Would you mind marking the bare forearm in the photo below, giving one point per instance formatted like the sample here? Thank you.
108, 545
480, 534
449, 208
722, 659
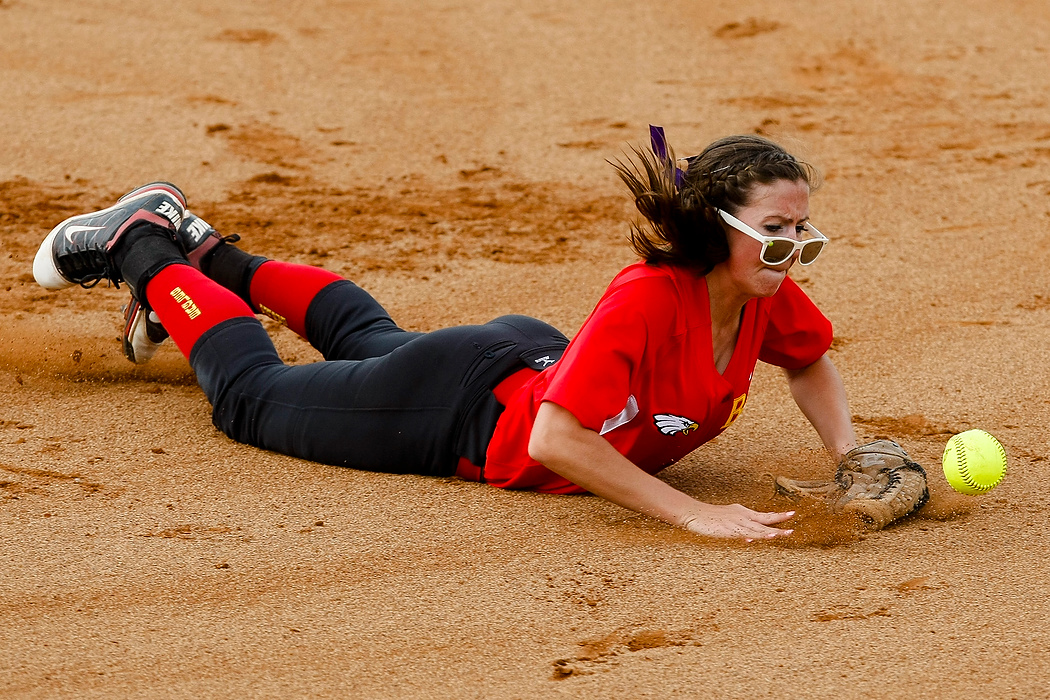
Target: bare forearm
819, 392
589, 461
585, 458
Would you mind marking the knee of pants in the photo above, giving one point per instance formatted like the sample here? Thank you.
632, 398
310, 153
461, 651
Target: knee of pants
227, 351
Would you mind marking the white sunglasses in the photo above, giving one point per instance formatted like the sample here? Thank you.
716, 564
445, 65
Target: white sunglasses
776, 249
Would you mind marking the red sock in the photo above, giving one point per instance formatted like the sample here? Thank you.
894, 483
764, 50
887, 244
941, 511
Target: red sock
188, 304
283, 291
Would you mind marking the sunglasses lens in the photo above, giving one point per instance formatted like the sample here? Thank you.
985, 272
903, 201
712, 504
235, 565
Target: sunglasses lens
776, 252
810, 251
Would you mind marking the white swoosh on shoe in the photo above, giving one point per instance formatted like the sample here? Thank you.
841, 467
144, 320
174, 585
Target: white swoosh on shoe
68, 233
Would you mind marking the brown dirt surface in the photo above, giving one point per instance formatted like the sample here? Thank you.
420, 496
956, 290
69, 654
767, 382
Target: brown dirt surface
451, 158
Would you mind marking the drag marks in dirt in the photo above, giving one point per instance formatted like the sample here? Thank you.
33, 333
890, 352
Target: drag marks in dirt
19, 482
1040, 185
612, 650
845, 612
602, 134
415, 228
211, 99
1037, 302
193, 531
747, 28
873, 602
587, 145
264, 143
247, 36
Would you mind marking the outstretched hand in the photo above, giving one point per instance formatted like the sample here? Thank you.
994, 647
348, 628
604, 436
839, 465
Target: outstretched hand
736, 521
560, 443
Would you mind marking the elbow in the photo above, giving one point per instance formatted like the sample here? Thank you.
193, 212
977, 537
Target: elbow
547, 439
816, 365
540, 444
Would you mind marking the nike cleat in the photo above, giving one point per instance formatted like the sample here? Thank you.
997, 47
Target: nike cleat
80, 249
143, 333
197, 238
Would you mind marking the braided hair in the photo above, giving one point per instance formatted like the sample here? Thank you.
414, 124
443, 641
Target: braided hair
681, 224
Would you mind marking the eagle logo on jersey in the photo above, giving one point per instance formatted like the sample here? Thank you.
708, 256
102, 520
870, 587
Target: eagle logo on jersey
670, 424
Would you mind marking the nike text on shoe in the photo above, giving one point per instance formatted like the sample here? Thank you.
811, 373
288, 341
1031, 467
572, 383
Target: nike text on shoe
79, 250
197, 238
143, 333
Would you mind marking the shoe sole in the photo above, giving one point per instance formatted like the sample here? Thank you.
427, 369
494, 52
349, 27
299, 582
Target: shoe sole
136, 334
45, 271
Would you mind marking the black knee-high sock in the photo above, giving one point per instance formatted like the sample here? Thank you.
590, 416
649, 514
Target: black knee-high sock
233, 268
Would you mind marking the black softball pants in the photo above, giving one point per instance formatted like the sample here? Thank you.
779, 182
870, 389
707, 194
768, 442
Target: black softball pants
384, 399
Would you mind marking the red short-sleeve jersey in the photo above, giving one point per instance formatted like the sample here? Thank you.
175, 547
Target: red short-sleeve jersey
641, 372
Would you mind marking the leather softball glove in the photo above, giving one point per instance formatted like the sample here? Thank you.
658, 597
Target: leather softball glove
876, 481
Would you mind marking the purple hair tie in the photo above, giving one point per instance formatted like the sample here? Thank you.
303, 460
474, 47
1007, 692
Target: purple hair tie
659, 142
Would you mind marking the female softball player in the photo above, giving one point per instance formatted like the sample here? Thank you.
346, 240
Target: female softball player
662, 365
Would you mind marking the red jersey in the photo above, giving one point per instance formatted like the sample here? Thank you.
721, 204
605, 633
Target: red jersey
641, 373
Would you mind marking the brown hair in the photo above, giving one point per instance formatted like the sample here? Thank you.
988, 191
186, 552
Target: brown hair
681, 224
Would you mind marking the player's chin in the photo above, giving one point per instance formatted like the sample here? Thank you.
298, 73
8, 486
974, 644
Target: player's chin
769, 279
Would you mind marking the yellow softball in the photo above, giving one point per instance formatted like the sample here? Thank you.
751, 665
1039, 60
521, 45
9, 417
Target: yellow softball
974, 462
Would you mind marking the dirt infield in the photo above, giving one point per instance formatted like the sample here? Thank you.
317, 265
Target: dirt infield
451, 158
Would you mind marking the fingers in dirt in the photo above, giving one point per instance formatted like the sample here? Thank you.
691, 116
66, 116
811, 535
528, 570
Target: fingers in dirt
772, 518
